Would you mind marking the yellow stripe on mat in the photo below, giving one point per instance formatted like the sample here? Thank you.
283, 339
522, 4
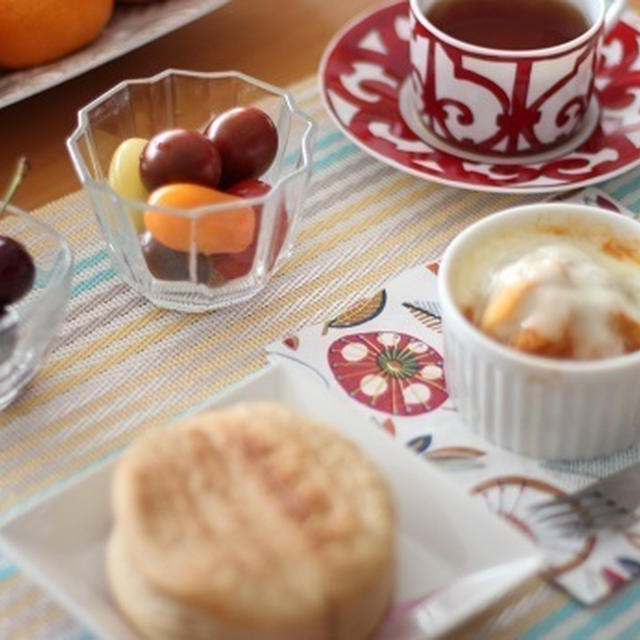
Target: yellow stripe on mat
322, 283
128, 330
44, 619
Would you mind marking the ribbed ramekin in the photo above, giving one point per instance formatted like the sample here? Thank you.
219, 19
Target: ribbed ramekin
537, 406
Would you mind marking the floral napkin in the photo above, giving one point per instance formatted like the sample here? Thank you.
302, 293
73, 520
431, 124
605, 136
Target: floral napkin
385, 354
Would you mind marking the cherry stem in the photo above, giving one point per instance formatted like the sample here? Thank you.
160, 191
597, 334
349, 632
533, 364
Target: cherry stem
22, 166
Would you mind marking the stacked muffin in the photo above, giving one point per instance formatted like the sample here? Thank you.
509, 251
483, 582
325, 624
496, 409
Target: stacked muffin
251, 522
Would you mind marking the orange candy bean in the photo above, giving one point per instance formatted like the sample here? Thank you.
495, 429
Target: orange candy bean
229, 231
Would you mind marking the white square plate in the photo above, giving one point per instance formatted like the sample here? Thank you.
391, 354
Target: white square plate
449, 547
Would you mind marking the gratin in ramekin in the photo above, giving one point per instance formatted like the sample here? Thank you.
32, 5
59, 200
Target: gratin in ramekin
533, 405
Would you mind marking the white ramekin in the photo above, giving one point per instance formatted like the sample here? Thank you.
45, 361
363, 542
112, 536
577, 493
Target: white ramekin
537, 406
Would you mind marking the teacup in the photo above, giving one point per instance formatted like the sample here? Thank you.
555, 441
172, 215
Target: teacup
499, 102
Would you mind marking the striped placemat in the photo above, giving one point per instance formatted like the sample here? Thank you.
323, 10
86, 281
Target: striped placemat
121, 365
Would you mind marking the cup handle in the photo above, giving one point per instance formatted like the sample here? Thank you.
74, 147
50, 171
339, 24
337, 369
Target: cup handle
612, 13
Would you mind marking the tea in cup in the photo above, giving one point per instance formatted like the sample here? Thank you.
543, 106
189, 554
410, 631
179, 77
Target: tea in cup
505, 78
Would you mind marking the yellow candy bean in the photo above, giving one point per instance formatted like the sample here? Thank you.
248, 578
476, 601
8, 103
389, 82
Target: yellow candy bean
124, 175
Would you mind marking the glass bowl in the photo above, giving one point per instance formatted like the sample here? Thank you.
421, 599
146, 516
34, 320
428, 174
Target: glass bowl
28, 327
188, 280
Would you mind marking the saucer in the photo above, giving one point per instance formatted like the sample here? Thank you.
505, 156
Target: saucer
362, 74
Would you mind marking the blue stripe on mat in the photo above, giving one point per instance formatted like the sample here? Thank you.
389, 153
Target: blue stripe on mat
601, 618
542, 629
626, 188
634, 206
329, 138
86, 285
336, 156
90, 261
7, 571
608, 613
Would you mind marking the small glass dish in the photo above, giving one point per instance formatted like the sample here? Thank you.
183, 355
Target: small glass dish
142, 108
28, 327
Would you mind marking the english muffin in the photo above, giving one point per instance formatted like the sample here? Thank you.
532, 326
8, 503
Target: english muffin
249, 523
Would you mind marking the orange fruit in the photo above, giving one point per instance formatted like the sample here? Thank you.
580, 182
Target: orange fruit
33, 32
227, 231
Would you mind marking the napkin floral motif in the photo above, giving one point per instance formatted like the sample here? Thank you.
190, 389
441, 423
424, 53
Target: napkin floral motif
389, 371
384, 354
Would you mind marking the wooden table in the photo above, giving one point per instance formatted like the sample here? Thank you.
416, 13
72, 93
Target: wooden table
280, 41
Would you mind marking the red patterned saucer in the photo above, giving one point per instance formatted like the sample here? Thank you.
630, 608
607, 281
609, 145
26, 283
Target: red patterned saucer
361, 78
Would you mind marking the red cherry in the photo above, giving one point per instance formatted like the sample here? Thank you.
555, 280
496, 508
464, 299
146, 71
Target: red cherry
249, 188
179, 155
166, 264
236, 265
247, 141
17, 271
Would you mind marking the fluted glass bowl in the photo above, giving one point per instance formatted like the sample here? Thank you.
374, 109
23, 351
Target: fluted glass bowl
28, 328
142, 108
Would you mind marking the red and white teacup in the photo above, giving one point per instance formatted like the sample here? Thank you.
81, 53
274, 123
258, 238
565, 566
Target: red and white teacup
503, 103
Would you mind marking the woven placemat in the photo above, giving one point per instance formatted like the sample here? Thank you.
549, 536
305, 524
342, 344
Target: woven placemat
121, 365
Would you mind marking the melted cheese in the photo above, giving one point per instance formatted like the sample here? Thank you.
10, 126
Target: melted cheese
569, 294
